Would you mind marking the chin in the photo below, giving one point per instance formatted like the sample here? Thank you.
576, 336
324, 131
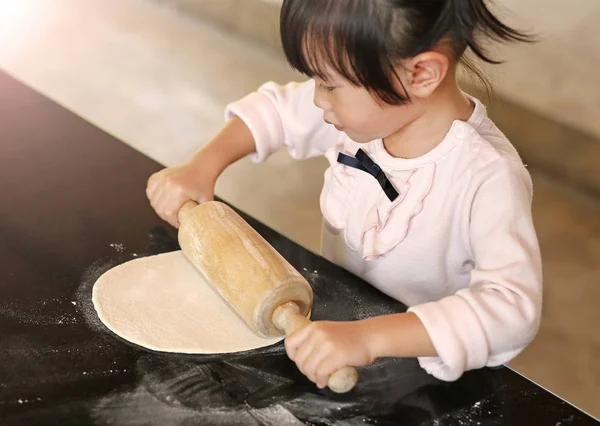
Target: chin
359, 138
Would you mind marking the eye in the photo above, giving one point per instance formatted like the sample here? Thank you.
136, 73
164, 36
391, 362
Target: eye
327, 88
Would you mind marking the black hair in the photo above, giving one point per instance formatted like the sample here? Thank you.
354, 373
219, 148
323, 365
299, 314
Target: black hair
363, 40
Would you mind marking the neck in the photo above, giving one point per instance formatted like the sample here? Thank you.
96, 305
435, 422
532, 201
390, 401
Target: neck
431, 123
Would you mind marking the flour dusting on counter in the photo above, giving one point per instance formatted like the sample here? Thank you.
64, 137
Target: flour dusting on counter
119, 248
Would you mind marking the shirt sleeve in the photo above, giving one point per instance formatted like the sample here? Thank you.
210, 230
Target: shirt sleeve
279, 116
498, 315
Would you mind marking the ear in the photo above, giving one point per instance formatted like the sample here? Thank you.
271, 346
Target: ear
426, 72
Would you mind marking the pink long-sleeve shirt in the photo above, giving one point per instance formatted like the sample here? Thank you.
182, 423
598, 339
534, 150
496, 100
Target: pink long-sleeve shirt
457, 246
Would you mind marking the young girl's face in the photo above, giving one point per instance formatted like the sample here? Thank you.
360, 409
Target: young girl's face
356, 112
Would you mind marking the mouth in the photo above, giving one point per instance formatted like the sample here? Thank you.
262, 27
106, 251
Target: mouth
340, 128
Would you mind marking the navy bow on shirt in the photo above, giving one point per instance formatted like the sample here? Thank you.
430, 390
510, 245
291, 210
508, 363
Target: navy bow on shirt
363, 162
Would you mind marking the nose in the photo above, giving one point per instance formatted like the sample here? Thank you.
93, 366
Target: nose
320, 100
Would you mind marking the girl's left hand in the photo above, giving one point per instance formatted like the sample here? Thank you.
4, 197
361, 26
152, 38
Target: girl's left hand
323, 347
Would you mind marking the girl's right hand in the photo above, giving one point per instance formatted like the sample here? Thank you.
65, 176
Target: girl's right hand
195, 180
170, 188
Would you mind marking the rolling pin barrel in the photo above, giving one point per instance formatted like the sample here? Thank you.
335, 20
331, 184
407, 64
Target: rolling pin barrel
241, 265
251, 276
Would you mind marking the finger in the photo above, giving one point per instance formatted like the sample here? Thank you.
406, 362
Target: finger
171, 212
159, 195
173, 222
151, 185
303, 357
297, 338
156, 200
302, 352
153, 202
294, 340
175, 198
326, 368
306, 362
164, 203
313, 364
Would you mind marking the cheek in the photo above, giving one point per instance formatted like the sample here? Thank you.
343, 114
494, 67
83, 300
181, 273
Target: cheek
360, 113
364, 120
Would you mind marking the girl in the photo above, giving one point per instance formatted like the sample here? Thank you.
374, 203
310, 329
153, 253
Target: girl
424, 197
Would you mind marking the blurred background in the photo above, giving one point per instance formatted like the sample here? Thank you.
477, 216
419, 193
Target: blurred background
157, 74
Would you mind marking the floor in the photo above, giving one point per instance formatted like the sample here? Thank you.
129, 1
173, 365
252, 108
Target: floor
159, 82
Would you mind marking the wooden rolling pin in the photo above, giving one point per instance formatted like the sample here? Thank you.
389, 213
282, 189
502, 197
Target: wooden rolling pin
258, 283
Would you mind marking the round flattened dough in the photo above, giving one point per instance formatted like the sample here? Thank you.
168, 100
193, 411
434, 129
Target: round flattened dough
163, 303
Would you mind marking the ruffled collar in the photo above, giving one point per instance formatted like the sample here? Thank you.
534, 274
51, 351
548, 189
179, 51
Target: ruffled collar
371, 220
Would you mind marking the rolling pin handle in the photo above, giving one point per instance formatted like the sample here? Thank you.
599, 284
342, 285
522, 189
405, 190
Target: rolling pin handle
185, 211
287, 318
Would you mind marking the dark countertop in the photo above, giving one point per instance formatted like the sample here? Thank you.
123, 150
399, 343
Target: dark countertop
73, 207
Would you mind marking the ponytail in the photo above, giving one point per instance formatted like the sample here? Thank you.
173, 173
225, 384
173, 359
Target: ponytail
471, 18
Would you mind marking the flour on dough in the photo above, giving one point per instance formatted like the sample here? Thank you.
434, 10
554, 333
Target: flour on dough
163, 303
